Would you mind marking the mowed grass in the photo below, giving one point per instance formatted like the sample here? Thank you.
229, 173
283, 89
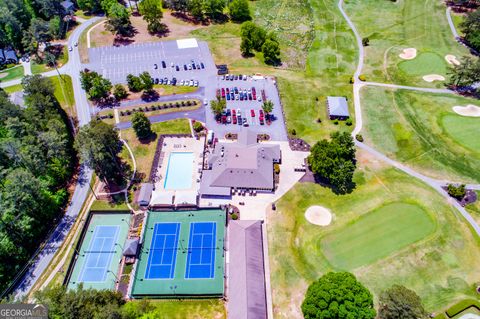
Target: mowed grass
329, 59
12, 73
425, 63
176, 309
422, 131
393, 26
464, 130
144, 151
65, 97
440, 264
376, 235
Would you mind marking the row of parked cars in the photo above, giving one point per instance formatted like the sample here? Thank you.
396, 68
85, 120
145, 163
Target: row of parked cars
232, 77
192, 65
234, 93
232, 116
174, 81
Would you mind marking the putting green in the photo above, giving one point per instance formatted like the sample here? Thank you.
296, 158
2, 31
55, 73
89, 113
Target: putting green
376, 235
424, 64
464, 130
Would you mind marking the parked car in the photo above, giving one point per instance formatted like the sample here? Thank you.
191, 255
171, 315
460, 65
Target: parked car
228, 97
261, 113
224, 119
227, 90
223, 93
228, 112
245, 122
250, 96
156, 81
198, 66
155, 66
229, 119
185, 67
232, 96
172, 64
191, 83
202, 65
262, 122
164, 65
236, 77
189, 66
182, 82
239, 112
160, 81
234, 113
196, 83
244, 77
239, 119
177, 68
234, 119
193, 66
205, 102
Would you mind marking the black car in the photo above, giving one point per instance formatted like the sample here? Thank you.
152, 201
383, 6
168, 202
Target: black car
185, 67
177, 68
193, 66
174, 81
164, 65
236, 77
165, 80
202, 65
155, 66
156, 81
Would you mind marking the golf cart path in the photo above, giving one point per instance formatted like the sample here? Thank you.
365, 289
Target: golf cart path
435, 184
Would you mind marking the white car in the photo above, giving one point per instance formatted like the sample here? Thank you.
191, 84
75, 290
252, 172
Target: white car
70, 48
76, 44
191, 82
239, 112
195, 83
182, 82
205, 102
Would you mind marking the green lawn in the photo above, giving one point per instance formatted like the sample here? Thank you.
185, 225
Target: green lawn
436, 267
170, 89
65, 97
38, 68
176, 309
310, 73
12, 73
393, 26
425, 63
376, 235
144, 151
421, 130
117, 202
13, 88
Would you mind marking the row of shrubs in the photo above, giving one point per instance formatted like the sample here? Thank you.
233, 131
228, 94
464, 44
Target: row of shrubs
458, 308
163, 106
348, 122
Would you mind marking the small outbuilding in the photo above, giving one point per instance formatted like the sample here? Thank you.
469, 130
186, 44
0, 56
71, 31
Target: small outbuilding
8, 56
68, 6
337, 108
145, 194
131, 247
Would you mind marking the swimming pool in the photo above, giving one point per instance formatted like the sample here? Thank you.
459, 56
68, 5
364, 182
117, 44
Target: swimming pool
179, 171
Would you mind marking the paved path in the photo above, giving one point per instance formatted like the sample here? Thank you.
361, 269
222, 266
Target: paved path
55, 241
451, 24
358, 126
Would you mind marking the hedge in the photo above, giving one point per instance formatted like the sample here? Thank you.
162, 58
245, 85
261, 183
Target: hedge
461, 306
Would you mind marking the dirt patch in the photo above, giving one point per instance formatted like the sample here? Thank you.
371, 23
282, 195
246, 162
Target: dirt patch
433, 77
451, 59
408, 54
318, 215
469, 110
176, 28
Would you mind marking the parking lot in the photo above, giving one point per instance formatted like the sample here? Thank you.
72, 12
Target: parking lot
186, 59
242, 108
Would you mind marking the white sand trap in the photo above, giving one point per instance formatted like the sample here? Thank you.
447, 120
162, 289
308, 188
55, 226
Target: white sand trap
408, 54
469, 110
318, 215
433, 77
2, 75
451, 59
470, 316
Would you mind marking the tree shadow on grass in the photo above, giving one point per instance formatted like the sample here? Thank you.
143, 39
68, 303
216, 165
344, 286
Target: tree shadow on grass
149, 139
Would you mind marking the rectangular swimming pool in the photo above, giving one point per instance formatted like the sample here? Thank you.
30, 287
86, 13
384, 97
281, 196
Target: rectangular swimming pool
179, 171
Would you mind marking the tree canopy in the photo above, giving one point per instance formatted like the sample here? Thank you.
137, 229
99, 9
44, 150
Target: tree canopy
338, 295
97, 87
471, 28
334, 161
218, 105
399, 302
239, 10
141, 125
151, 10
98, 146
118, 19
36, 162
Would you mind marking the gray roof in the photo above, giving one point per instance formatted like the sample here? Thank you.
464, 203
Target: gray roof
18, 98
337, 106
67, 5
131, 247
9, 55
246, 280
145, 194
244, 164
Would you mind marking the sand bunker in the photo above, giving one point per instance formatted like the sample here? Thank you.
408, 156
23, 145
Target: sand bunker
408, 54
470, 316
469, 110
433, 77
451, 59
318, 215
2, 75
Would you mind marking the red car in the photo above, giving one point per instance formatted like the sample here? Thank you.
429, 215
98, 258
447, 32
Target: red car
261, 113
234, 119
252, 112
262, 121
224, 119
223, 93
234, 113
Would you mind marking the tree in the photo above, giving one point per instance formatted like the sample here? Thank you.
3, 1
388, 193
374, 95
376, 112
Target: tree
267, 106
246, 46
248, 32
141, 125
97, 87
119, 92
195, 8
457, 192
89, 5
218, 106
466, 74
271, 52
80, 303
38, 33
152, 13
214, 8
118, 20
334, 161
197, 127
147, 81
134, 83
399, 302
338, 295
239, 10
98, 146
471, 28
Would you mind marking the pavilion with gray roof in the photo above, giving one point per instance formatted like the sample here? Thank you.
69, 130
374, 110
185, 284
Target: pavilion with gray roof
246, 292
337, 108
245, 164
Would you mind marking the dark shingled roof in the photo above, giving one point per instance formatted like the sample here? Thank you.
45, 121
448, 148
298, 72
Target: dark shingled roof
246, 278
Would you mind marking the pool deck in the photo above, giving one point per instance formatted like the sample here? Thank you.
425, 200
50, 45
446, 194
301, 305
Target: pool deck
179, 145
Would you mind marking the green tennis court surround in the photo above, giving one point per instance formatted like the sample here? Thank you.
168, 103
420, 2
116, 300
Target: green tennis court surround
182, 255
97, 261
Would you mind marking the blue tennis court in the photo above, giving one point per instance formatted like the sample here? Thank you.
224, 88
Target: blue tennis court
163, 251
201, 250
99, 254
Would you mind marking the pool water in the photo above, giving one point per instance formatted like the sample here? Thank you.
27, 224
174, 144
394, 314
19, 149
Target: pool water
179, 171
